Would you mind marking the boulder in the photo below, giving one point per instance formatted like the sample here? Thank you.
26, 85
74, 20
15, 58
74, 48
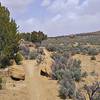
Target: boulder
17, 72
45, 66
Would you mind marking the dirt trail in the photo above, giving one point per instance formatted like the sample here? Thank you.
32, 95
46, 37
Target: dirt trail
39, 88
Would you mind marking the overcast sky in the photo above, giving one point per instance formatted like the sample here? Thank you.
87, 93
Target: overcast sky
55, 17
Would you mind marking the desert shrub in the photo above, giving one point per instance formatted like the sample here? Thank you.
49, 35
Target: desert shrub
58, 48
57, 72
61, 58
92, 51
51, 48
79, 95
66, 70
67, 88
63, 63
93, 91
18, 58
59, 66
93, 58
33, 55
84, 50
56, 56
75, 69
76, 74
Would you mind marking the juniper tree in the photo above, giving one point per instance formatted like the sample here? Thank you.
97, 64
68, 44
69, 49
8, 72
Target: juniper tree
9, 37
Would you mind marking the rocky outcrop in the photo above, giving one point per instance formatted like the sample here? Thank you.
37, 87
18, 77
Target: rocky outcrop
45, 66
17, 72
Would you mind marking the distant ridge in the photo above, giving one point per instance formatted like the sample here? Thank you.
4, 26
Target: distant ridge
88, 34
79, 34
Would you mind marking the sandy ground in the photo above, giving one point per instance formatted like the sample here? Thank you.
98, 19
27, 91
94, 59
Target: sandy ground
39, 88
14, 91
89, 66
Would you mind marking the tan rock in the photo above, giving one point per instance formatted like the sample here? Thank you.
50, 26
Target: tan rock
17, 72
46, 65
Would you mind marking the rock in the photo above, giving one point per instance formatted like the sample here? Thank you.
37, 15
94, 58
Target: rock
43, 73
45, 66
17, 72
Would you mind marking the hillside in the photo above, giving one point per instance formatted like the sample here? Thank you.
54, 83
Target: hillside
40, 87
82, 38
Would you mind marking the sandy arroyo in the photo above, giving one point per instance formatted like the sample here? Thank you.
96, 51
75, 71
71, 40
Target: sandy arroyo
35, 86
39, 87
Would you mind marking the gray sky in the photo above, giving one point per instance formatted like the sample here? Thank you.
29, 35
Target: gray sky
55, 17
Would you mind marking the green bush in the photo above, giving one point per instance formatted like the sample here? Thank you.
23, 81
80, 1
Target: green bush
18, 58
